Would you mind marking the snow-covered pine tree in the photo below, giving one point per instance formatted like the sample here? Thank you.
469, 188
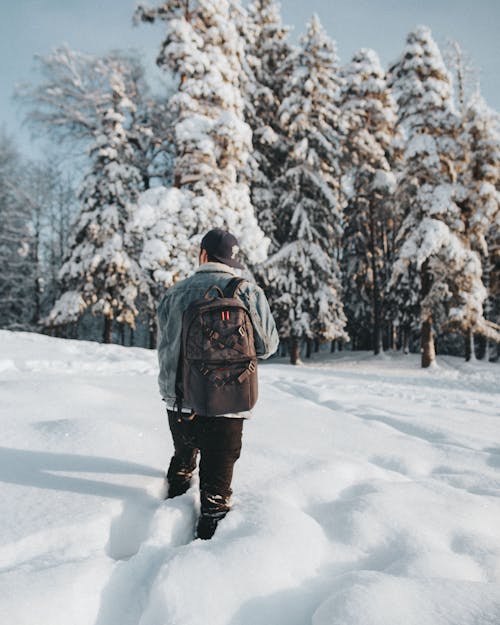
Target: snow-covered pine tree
431, 236
480, 206
101, 272
18, 273
150, 134
149, 124
303, 275
267, 48
204, 50
162, 222
71, 101
370, 151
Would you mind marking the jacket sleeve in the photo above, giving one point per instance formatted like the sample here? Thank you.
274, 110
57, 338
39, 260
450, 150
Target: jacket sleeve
163, 344
265, 333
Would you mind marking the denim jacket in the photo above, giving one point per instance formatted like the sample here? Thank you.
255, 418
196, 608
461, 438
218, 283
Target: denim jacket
177, 299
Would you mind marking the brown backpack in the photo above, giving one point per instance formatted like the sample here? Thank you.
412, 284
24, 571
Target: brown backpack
218, 365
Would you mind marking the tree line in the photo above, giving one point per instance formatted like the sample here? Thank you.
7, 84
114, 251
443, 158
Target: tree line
365, 199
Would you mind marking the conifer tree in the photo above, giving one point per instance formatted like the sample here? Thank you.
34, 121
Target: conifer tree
480, 206
431, 238
204, 50
18, 274
267, 48
101, 272
370, 150
76, 102
161, 224
304, 275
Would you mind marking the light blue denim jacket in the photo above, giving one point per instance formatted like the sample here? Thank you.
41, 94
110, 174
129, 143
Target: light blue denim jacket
177, 299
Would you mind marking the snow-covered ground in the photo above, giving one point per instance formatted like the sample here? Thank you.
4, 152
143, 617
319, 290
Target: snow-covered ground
367, 494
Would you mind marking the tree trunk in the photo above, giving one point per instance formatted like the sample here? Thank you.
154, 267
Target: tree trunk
152, 333
394, 337
405, 342
35, 257
377, 330
294, 351
332, 346
308, 348
132, 337
428, 350
122, 334
341, 345
107, 335
487, 350
470, 353
316, 345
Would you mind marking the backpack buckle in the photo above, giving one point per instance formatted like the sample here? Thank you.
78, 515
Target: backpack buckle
252, 367
241, 330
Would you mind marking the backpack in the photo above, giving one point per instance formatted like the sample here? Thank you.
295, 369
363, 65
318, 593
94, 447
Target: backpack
217, 371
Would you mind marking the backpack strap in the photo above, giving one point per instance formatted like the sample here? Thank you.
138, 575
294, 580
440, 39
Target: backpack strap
232, 286
179, 392
215, 288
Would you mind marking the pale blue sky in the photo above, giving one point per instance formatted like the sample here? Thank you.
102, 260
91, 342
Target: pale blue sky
30, 27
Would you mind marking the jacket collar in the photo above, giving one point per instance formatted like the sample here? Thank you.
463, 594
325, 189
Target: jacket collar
217, 267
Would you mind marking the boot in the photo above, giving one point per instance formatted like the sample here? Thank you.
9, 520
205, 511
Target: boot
177, 488
179, 475
213, 509
206, 526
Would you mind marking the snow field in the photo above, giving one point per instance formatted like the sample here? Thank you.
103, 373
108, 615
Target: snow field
366, 494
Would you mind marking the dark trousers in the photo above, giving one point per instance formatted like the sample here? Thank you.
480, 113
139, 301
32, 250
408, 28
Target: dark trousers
218, 439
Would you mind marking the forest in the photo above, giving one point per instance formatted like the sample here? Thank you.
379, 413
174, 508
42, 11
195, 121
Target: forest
365, 198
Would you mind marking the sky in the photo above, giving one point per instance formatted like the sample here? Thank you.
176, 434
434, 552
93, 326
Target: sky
30, 27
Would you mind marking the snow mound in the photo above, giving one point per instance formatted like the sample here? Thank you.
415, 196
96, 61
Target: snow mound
370, 598
367, 493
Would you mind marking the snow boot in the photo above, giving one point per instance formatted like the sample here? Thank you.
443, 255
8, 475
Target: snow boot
213, 509
178, 483
175, 488
180, 472
207, 524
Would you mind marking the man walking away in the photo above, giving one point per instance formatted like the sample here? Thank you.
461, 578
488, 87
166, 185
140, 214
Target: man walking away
216, 436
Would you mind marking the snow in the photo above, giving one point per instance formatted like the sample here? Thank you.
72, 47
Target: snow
213, 142
367, 493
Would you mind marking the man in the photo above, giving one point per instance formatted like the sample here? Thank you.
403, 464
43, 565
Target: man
217, 438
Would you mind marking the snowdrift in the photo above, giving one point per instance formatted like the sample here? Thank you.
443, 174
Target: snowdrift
367, 494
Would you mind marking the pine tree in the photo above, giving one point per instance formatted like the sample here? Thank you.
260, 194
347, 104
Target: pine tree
204, 50
370, 151
162, 224
448, 273
267, 49
303, 275
71, 103
18, 275
480, 212
101, 272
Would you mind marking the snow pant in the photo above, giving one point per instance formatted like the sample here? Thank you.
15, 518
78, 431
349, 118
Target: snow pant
218, 439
